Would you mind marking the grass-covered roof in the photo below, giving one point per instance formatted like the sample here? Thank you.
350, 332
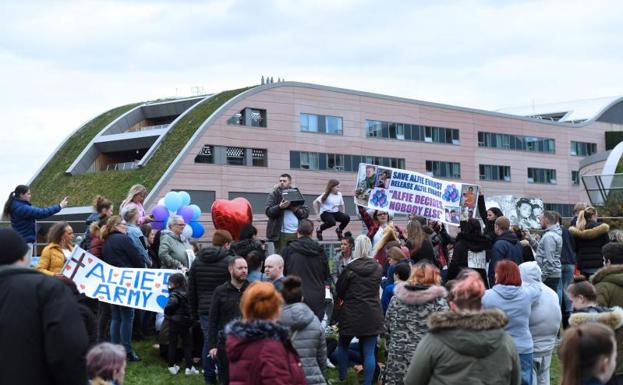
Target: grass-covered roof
52, 183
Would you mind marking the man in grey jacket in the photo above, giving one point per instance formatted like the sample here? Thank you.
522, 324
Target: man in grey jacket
548, 250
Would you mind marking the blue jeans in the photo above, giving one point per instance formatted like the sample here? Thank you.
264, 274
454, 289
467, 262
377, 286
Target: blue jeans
121, 326
526, 368
368, 344
566, 278
209, 372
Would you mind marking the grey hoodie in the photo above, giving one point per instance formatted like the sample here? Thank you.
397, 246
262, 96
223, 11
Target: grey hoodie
548, 252
308, 340
545, 316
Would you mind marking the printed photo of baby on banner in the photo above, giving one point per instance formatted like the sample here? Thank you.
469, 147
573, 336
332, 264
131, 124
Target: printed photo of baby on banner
409, 192
523, 212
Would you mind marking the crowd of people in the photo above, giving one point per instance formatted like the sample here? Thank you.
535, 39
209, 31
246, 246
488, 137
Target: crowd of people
401, 306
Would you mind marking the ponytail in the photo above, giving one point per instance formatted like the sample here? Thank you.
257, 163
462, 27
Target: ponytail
584, 216
110, 225
19, 190
581, 350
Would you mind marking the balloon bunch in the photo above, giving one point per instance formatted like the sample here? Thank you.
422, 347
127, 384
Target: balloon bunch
451, 194
178, 202
379, 198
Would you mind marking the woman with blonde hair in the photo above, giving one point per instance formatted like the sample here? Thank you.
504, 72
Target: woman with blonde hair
420, 247
358, 299
58, 250
589, 236
259, 350
379, 252
134, 199
405, 321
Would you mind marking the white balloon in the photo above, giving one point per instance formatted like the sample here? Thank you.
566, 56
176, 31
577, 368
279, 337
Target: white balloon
188, 231
161, 202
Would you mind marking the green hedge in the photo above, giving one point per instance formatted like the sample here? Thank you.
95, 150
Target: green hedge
52, 184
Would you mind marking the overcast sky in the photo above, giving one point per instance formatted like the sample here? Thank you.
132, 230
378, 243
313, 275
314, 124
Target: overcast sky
62, 63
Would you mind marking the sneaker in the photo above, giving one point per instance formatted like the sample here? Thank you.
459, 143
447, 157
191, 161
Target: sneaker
174, 369
191, 371
133, 357
330, 364
318, 234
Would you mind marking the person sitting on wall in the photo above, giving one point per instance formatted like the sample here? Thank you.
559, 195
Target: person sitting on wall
330, 207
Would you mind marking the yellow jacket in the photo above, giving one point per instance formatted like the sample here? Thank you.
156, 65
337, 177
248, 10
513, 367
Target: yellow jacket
52, 259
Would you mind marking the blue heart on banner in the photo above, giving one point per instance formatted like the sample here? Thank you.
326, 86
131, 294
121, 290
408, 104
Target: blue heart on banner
162, 300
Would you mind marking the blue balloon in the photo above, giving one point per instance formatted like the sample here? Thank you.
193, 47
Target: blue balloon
196, 212
173, 201
185, 197
198, 229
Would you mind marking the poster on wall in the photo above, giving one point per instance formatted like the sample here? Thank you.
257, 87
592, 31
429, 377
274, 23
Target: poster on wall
145, 289
523, 212
409, 192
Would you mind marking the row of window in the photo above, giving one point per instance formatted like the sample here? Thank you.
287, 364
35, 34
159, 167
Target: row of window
412, 132
234, 156
333, 125
491, 172
338, 162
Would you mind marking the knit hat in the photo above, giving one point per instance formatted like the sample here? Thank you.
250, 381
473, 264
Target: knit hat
12, 246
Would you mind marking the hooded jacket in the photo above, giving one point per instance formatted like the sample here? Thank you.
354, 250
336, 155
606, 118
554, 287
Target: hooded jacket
548, 252
516, 302
260, 353
44, 340
172, 251
275, 214
465, 348
306, 258
208, 271
609, 284
506, 246
612, 318
405, 325
463, 245
308, 339
360, 313
545, 316
588, 243
23, 216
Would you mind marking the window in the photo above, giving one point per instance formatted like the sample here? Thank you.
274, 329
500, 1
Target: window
411, 132
309, 160
575, 177
258, 157
516, 142
443, 169
253, 117
495, 173
321, 123
235, 156
564, 209
206, 155
339, 162
582, 148
541, 175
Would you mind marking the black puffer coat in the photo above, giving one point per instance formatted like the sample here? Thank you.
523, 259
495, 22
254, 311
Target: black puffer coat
464, 244
360, 313
208, 271
588, 244
44, 340
178, 309
305, 257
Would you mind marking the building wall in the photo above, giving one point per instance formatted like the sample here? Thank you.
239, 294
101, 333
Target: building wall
282, 134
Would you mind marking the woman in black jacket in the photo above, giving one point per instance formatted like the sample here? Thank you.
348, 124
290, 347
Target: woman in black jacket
360, 313
118, 250
589, 236
471, 250
488, 217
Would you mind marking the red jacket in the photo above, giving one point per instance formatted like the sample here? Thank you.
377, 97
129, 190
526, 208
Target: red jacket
260, 353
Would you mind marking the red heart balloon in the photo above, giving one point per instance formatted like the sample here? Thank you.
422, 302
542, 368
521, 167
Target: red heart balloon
231, 215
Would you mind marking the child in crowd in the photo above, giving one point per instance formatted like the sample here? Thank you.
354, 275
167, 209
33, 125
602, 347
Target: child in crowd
178, 314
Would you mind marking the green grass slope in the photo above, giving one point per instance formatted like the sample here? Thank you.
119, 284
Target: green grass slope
52, 184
